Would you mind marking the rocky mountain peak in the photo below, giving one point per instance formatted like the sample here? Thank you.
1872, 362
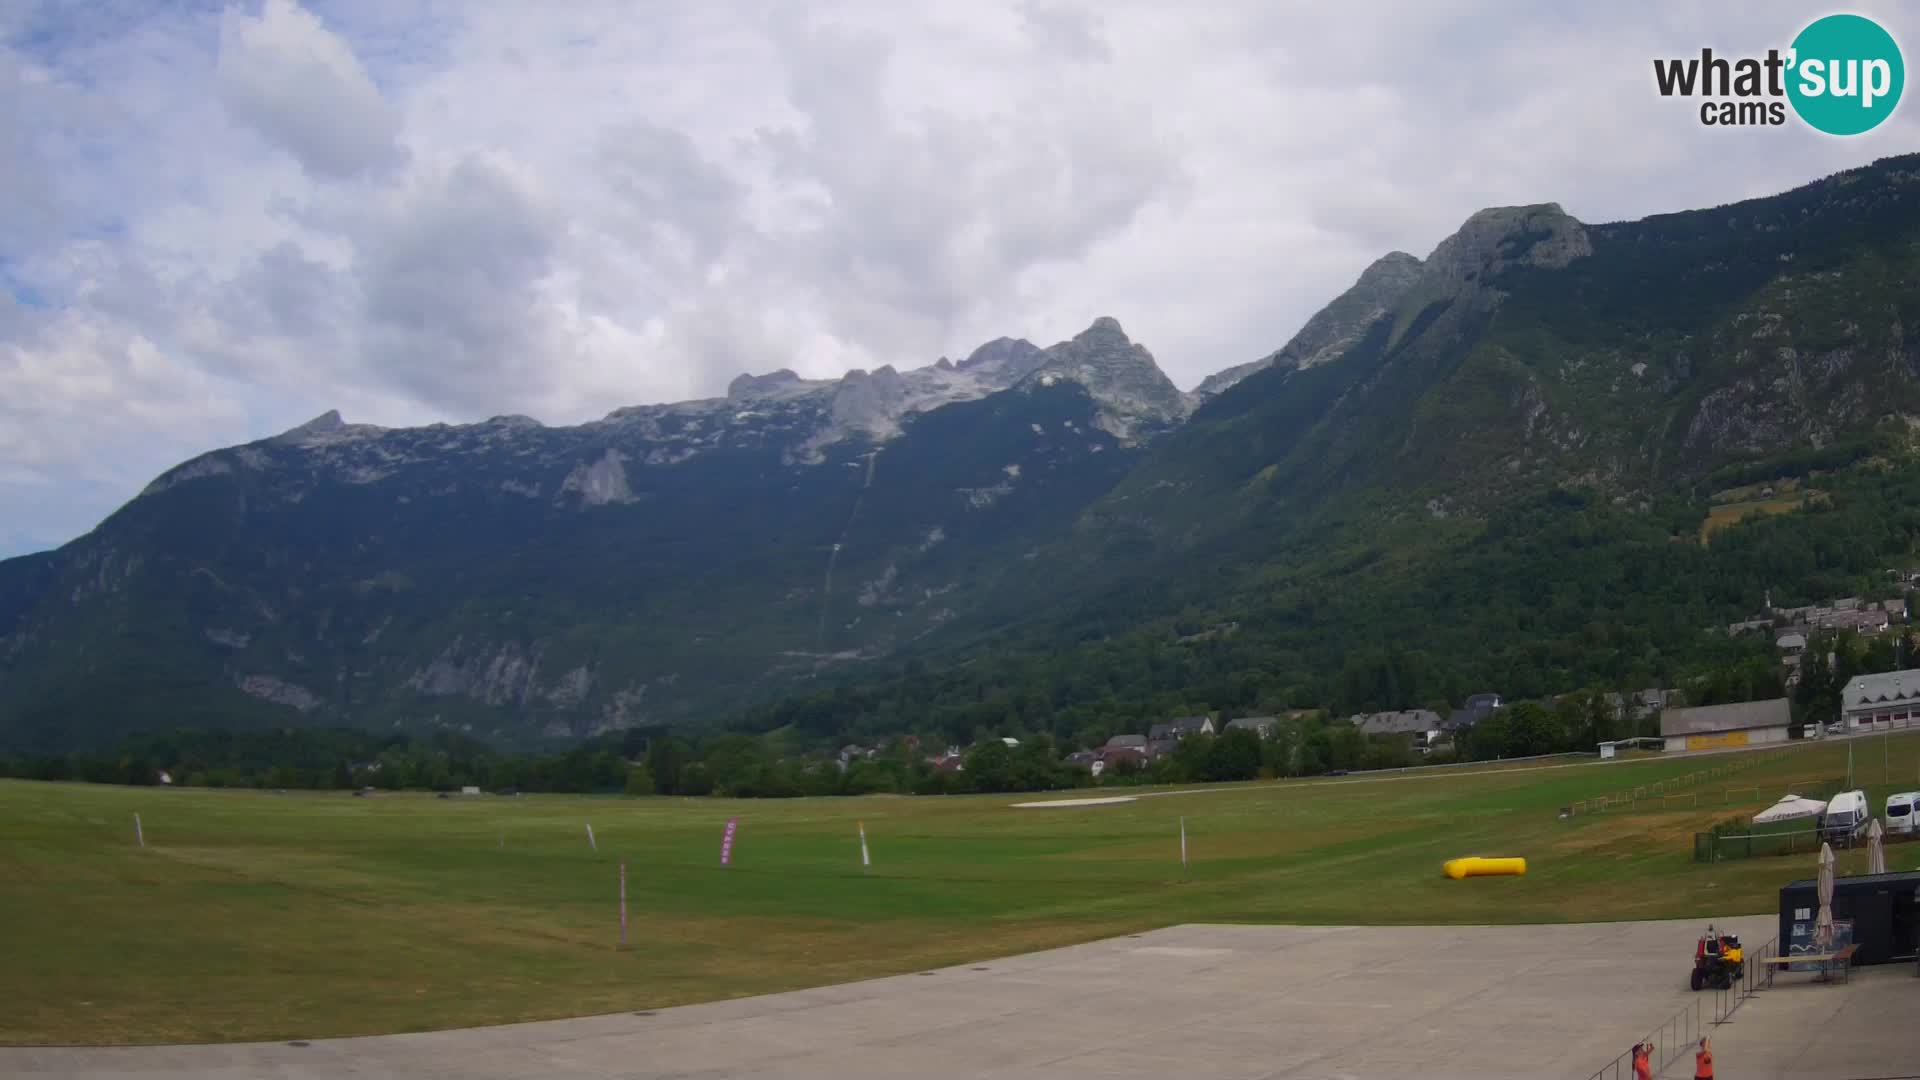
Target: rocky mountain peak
515, 420
1012, 355
1393, 268
327, 429
1334, 328
1462, 268
1541, 235
319, 425
1134, 395
747, 385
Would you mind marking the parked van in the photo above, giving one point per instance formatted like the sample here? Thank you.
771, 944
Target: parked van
1846, 817
1903, 812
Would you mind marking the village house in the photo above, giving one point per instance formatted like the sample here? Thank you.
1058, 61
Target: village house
1867, 622
1890, 699
1847, 613
1181, 728
1121, 748
1421, 728
1477, 708
1111, 756
853, 752
1261, 726
1640, 705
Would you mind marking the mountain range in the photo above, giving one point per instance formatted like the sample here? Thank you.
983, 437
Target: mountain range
682, 563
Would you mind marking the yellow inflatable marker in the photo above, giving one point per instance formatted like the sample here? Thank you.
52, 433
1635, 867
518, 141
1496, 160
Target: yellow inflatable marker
1478, 867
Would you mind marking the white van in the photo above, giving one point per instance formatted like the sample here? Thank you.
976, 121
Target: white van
1846, 817
1903, 812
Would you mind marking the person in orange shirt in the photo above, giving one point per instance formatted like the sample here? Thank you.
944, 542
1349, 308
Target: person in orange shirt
1703, 1061
1642, 1061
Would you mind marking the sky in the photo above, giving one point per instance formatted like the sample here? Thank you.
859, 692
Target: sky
219, 220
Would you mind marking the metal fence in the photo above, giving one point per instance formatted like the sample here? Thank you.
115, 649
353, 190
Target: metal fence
1570, 757
1754, 978
1668, 793
1715, 847
1669, 1040
1676, 1037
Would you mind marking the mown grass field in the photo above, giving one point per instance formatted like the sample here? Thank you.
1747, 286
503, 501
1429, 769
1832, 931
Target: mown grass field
1727, 515
253, 915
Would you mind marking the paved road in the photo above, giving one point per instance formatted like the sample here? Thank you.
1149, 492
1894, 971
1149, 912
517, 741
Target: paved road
1804, 1030
1190, 1001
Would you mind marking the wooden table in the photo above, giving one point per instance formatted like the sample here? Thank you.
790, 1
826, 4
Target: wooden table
1827, 961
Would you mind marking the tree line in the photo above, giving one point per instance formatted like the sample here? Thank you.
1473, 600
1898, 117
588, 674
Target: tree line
779, 765
1557, 592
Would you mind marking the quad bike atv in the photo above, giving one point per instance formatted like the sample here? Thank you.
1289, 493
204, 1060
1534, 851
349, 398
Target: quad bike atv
1716, 960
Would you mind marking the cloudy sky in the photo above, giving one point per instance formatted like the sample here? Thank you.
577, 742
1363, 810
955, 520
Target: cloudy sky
218, 220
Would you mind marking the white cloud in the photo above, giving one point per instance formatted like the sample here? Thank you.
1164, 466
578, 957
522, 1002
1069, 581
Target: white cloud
1066, 31
216, 223
300, 86
87, 409
451, 275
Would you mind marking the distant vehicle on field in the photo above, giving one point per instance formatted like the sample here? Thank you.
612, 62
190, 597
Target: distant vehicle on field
1903, 813
1846, 817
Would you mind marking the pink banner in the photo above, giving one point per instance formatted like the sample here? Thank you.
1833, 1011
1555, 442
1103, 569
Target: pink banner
726, 841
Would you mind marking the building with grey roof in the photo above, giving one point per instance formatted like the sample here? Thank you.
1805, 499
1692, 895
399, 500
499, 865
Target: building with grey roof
1743, 723
1881, 702
1420, 727
1260, 725
1181, 728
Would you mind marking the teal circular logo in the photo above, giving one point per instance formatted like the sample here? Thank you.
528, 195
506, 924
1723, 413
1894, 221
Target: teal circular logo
1846, 74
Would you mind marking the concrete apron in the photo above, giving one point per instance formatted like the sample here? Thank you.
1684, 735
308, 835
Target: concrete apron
1197, 1001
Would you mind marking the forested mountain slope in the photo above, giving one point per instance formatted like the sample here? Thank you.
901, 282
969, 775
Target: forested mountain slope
1488, 466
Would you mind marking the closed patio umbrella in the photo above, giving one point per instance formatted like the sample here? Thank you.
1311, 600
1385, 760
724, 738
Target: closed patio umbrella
1876, 854
1823, 919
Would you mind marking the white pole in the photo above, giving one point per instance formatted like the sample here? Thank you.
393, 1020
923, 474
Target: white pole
590, 842
139, 837
623, 903
1183, 844
865, 859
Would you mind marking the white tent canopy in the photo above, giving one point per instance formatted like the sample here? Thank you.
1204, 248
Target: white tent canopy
1790, 808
